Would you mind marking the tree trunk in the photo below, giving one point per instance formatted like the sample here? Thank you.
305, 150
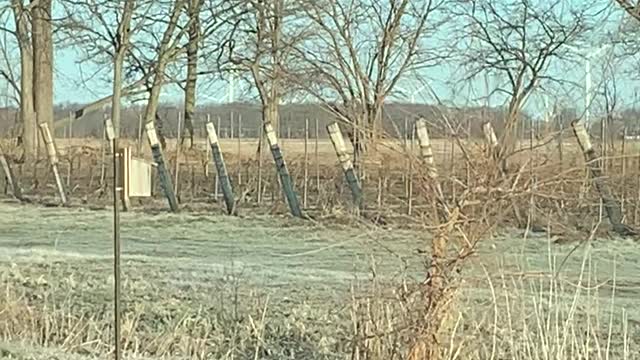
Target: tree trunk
43, 62
27, 115
434, 289
165, 54
192, 69
121, 51
117, 93
154, 93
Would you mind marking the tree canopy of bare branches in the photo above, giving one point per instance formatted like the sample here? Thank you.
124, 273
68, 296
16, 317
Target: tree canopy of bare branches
631, 8
360, 50
516, 40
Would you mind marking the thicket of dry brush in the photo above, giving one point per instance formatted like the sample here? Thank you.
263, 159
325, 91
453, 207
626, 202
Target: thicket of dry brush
469, 197
326, 51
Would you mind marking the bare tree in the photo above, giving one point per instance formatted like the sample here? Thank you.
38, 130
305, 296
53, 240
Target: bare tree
102, 31
360, 51
167, 50
193, 46
42, 37
206, 26
262, 49
27, 110
7, 59
517, 40
121, 45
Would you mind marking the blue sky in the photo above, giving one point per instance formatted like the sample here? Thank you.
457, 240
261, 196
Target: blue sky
74, 83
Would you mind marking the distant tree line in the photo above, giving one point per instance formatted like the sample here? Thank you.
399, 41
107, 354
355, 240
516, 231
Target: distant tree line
292, 120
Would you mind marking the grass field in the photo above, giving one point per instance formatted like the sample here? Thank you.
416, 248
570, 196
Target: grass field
213, 287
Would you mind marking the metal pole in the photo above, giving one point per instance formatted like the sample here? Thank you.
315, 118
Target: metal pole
261, 145
216, 184
587, 91
305, 191
239, 144
317, 159
70, 125
405, 143
178, 142
410, 175
207, 150
116, 252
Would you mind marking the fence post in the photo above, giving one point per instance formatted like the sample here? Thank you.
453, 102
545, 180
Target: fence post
426, 151
221, 169
53, 161
16, 191
491, 139
111, 133
161, 165
410, 174
345, 161
260, 158
281, 167
494, 152
611, 204
176, 186
207, 150
124, 156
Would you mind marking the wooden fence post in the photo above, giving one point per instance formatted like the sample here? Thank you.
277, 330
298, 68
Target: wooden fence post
221, 169
12, 182
53, 161
494, 151
426, 150
111, 133
281, 168
347, 164
124, 156
491, 139
611, 204
161, 165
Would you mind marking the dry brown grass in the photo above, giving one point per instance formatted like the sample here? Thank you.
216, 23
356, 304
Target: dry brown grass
519, 317
394, 178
